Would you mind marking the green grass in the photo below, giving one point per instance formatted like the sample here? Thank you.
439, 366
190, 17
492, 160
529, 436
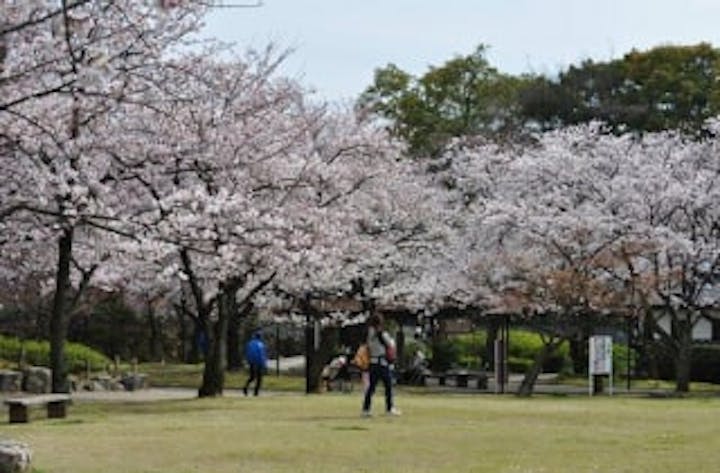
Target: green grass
315, 434
190, 376
641, 384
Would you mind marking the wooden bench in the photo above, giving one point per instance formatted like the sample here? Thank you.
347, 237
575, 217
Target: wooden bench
19, 406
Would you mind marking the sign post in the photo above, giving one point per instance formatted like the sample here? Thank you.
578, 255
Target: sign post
600, 360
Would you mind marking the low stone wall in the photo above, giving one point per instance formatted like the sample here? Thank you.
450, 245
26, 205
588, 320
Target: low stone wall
10, 381
125, 382
38, 380
33, 379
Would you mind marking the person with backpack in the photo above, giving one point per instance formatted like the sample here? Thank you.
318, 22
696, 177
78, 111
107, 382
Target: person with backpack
381, 347
256, 357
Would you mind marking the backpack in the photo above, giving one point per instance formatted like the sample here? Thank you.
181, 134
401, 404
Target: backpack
362, 357
390, 349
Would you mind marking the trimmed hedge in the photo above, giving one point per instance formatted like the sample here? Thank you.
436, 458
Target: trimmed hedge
445, 354
521, 351
38, 353
471, 349
705, 365
524, 345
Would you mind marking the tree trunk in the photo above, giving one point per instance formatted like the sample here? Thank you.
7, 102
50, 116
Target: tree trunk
234, 345
59, 315
182, 335
317, 359
579, 353
214, 373
400, 343
650, 347
683, 357
533, 372
155, 342
493, 326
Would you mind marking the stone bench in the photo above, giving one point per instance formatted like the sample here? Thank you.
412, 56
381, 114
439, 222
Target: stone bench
461, 378
19, 406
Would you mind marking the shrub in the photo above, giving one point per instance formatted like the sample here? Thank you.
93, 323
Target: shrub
525, 345
471, 349
620, 359
38, 353
705, 364
518, 365
115, 329
445, 354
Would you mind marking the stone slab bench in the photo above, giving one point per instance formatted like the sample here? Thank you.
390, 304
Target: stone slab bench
461, 378
19, 406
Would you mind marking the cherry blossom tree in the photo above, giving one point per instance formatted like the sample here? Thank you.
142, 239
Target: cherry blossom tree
238, 183
673, 260
585, 223
67, 66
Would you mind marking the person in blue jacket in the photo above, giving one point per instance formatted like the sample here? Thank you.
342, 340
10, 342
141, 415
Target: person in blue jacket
256, 357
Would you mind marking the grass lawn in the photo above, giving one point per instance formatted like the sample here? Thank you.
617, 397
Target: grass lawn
324, 433
190, 376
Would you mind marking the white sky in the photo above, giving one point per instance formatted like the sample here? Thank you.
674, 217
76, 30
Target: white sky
339, 43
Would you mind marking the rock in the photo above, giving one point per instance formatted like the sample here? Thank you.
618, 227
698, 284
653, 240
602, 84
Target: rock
37, 379
102, 382
133, 382
10, 381
15, 457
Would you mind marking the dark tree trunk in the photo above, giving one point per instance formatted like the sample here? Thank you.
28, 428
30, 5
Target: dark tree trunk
531, 375
650, 347
683, 356
59, 315
182, 335
579, 353
214, 374
155, 341
493, 326
400, 342
317, 359
234, 344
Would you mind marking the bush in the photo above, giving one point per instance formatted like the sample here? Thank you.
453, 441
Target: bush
705, 364
518, 365
525, 345
38, 353
445, 354
620, 359
115, 329
471, 349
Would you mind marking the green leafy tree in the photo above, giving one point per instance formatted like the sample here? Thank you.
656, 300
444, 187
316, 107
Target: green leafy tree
667, 87
464, 96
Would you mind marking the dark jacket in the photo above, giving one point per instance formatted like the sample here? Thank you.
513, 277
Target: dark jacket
255, 353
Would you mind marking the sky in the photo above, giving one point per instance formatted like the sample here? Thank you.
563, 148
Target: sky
338, 44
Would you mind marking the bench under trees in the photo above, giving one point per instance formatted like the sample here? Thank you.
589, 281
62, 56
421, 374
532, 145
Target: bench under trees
19, 407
